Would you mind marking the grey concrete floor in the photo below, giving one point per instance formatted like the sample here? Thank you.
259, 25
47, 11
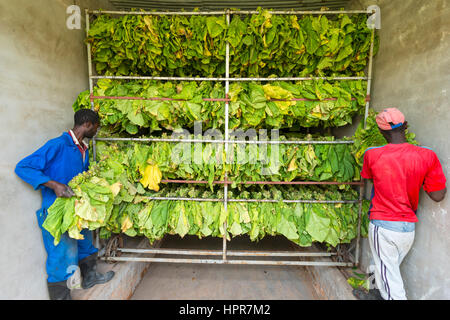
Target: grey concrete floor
186, 281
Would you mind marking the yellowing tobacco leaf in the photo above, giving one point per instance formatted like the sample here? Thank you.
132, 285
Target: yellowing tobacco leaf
115, 188
292, 165
151, 177
84, 210
126, 224
275, 92
74, 233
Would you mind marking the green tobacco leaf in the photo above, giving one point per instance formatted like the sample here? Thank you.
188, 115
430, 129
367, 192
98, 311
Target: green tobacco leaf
54, 219
253, 105
261, 45
317, 223
355, 283
69, 214
215, 26
183, 224
287, 228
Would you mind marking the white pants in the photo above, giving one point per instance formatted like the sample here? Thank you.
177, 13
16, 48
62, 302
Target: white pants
388, 250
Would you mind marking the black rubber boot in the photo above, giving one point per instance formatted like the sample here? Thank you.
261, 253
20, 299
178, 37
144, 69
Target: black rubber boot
373, 294
58, 291
88, 268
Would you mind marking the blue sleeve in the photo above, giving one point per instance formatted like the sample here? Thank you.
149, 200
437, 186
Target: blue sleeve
87, 160
31, 169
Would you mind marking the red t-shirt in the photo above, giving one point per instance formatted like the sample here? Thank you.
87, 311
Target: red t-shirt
398, 172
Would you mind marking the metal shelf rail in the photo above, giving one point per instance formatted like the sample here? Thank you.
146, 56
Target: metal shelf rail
224, 252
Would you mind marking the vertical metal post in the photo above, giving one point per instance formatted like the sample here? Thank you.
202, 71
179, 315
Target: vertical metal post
366, 114
91, 85
91, 92
358, 237
369, 77
225, 186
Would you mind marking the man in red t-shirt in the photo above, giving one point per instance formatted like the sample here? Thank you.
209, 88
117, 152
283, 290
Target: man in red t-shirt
398, 171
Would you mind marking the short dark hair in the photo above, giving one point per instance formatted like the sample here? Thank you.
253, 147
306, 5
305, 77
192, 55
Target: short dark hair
86, 115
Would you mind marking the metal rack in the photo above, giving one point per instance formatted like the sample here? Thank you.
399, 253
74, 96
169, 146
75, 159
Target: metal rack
114, 250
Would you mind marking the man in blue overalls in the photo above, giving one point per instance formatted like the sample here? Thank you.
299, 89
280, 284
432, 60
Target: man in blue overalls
50, 169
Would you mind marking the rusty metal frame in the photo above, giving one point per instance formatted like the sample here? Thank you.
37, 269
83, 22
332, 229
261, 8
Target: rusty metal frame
91, 90
204, 99
225, 79
223, 141
355, 183
244, 12
118, 251
222, 261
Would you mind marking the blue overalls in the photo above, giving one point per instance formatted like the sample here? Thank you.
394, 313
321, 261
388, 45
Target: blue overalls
59, 160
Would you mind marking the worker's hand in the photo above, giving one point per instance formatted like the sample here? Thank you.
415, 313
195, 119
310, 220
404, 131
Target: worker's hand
66, 192
61, 190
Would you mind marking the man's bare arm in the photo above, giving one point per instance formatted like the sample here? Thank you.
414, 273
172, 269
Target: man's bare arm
61, 190
437, 195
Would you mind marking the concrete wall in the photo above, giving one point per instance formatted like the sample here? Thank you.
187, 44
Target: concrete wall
411, 72
42, 69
